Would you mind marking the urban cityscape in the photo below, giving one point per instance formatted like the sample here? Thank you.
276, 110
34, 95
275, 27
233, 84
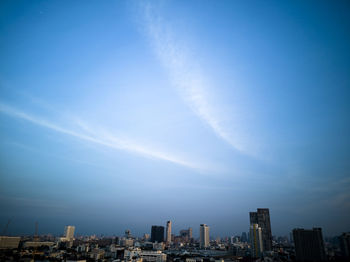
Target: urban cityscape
162, 245
175, 130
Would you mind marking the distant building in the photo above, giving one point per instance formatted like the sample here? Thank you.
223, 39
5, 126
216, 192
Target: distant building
235, 239
186, 234
130, 254
69, 233
97, 254
126, 242
146, 237
127, 233
244, 237
256, 240
194, 259
203, 236
158, 246
153, 256
168, 232
309, 245
9, 242
344, 241
38, 244
262, 218
157, 234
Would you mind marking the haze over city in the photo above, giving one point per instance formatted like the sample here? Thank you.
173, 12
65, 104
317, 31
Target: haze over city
121, 115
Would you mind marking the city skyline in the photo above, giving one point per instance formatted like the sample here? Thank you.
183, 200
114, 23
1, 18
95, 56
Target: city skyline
120, 115
160, 230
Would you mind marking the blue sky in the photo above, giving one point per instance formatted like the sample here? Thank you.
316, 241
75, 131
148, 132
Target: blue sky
125, 114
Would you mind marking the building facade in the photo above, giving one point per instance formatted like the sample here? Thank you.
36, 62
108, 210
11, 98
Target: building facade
186, 234
262, 218
9, 242
69, 233
256, 240
309, 245
157, 234
203, 236
344, 241
168, 232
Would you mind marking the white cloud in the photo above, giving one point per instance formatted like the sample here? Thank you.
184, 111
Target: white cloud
186, 75
103, 138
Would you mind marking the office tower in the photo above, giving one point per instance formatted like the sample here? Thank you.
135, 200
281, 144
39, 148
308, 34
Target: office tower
157, 234
256, 240
244, 238
309, 245
127, 233
262, 218
291, 238
168, 232
146, 237
344, 241
189, 232
69, 232
203, 236
186, 234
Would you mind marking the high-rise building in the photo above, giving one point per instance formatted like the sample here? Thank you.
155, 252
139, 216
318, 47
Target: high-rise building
309, 245
344, 241
127, 233
262, 218
256, 240
157, 234
244, 237
203, 236
168, 232
190, 232
186, 234
146, 237
69, 233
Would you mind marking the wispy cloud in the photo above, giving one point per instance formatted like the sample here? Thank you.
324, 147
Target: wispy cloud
185, 74
99, 137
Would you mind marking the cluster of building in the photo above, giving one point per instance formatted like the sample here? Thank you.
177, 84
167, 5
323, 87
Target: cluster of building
162, 246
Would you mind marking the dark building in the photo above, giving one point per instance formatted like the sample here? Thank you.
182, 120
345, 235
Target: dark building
244, 237
262, 218
127, 233
186, 234
309, 245
157, 234
344, 241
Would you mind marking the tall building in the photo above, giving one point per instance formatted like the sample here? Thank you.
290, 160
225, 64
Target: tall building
69, 232
127, 233
186, 234
157, 234
262, 218
244, 237
309, 245
256, 240
168, 232
203, 236
344, 241
146, 237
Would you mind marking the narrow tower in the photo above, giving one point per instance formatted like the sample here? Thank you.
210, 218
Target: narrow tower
168, 232
204, 236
